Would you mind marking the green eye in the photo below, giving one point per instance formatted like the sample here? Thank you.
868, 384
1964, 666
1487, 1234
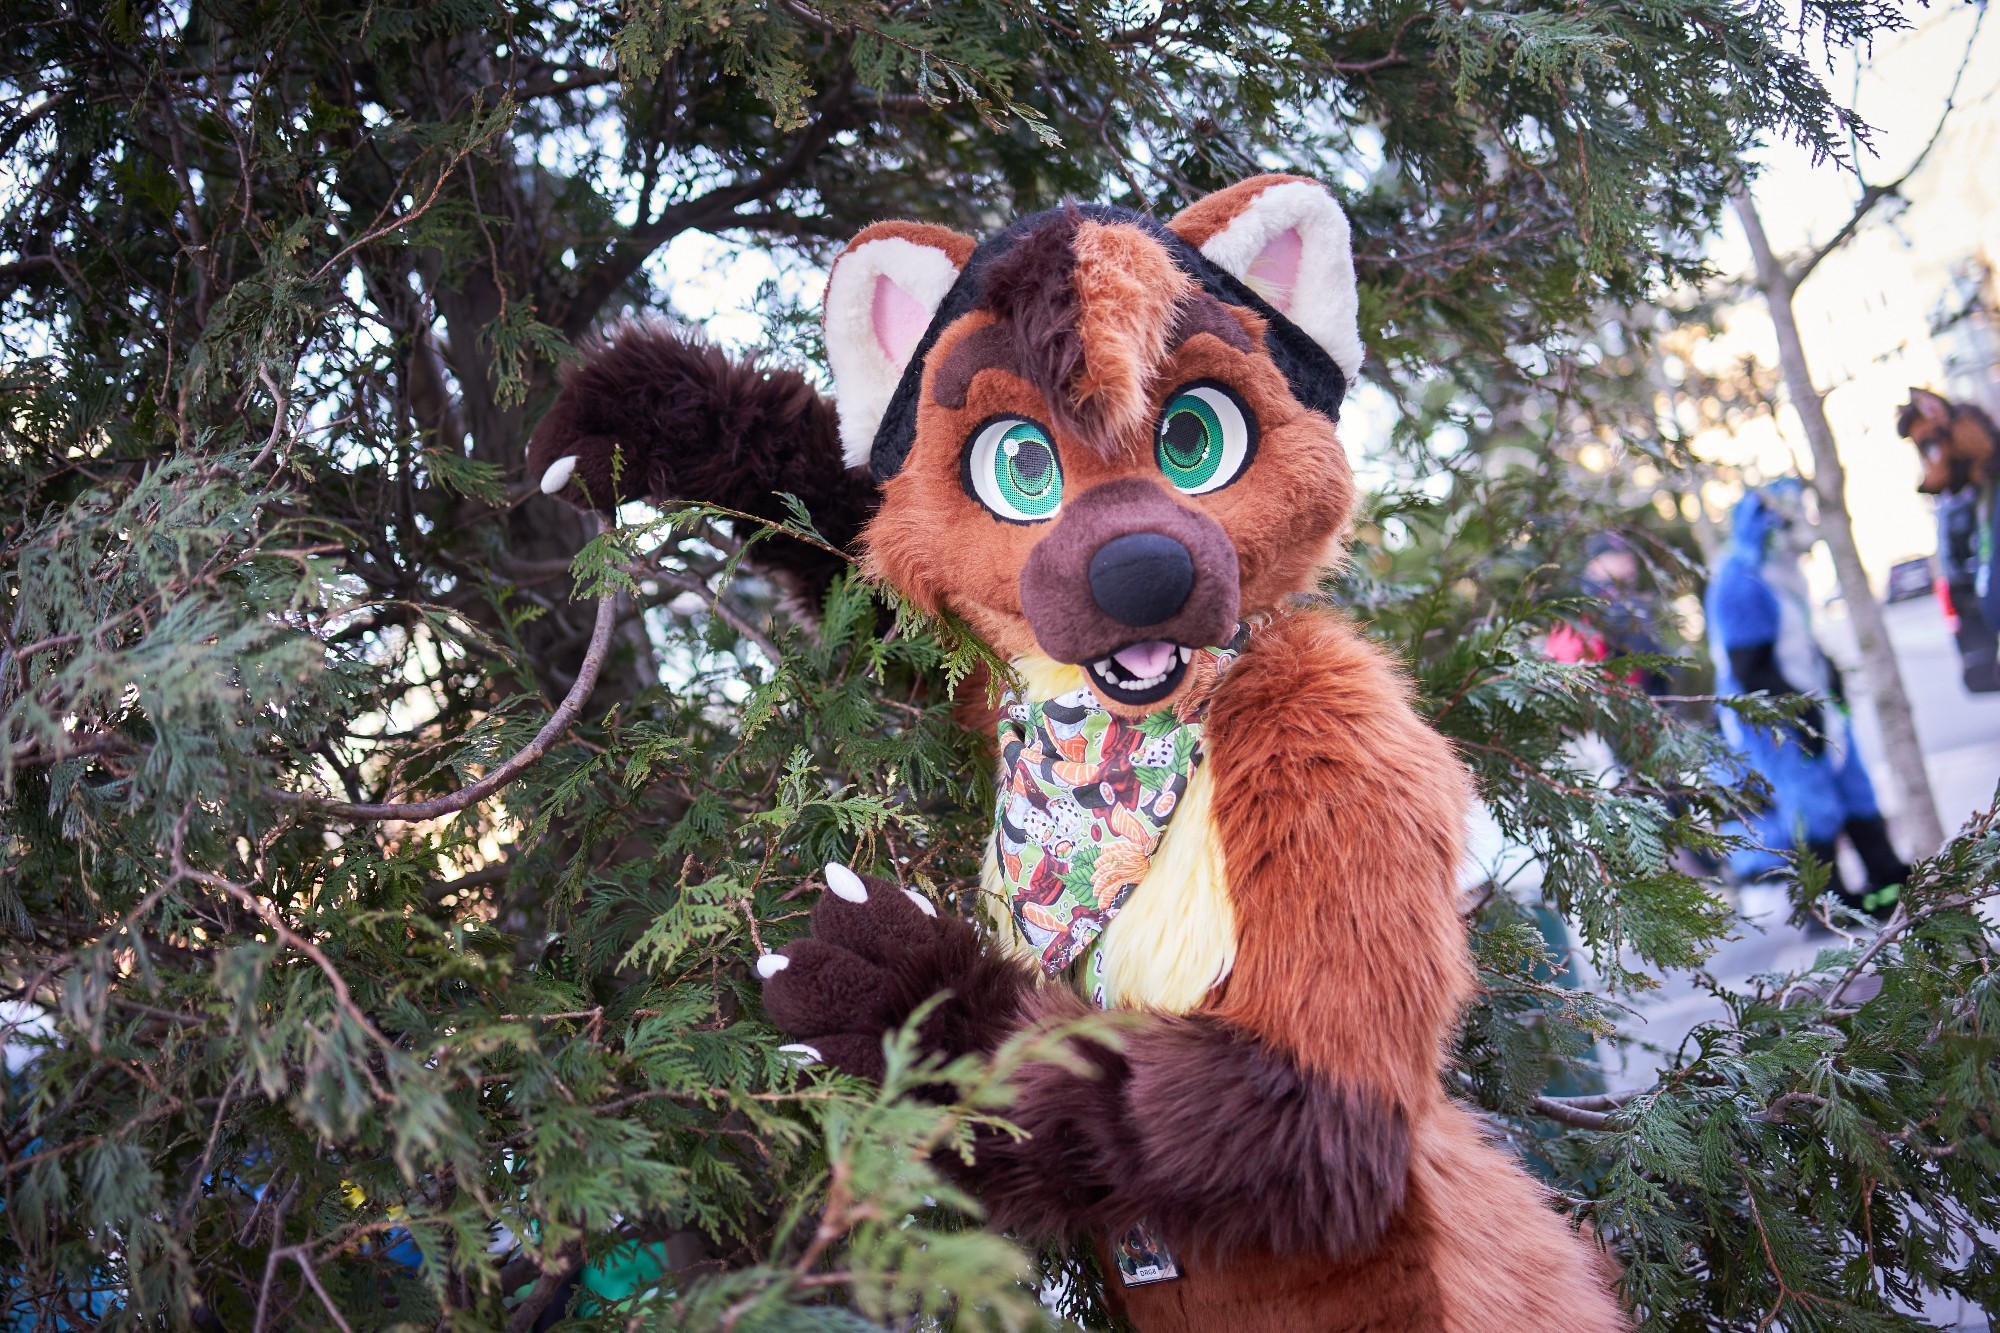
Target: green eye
1011, 468
1206, 438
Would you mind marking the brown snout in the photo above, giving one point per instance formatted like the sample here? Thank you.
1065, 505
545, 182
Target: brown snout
1945, 470
1930, 455
1127, 562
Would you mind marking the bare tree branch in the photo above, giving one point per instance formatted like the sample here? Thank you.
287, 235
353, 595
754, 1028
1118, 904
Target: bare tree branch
712, 210
1879, 665
1590, 1111
559, 722
730, 615
1567, 1111
302, 1256
546, 1289
1874, 194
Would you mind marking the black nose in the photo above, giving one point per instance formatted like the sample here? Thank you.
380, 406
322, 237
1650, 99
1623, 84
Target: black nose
1141, 578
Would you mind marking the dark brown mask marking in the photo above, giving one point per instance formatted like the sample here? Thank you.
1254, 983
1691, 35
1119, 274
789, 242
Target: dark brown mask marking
1202, 313
990, 347
1030, 289
995, 347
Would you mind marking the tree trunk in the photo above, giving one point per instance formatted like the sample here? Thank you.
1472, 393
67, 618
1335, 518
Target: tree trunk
1920, 827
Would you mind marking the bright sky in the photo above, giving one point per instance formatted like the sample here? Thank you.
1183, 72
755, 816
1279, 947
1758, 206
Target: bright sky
1866, 313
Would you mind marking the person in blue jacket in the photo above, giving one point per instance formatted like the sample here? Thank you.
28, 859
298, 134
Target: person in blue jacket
1760, 634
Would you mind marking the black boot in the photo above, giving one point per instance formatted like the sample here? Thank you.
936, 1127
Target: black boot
1886, 870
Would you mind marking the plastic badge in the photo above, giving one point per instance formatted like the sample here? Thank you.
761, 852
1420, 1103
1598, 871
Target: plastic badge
1143, 1257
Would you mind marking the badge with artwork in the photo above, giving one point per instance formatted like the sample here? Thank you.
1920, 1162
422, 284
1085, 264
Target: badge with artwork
1143, 1257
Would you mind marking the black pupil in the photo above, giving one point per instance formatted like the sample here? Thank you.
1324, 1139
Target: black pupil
1186, 438
1031, 461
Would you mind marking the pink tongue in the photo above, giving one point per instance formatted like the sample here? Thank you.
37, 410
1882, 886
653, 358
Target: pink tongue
1145, 659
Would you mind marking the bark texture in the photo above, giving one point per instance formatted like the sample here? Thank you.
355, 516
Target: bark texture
1917, 808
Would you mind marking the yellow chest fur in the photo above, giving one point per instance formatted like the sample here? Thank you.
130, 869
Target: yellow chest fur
1175, 938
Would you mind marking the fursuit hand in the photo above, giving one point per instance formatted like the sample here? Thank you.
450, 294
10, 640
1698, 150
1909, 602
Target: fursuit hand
876, 952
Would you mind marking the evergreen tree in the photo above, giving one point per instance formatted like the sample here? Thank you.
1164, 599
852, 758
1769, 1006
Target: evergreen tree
385, 847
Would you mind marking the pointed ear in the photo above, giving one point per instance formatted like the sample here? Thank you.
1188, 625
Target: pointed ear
1930, 406
880, 297
1286, 239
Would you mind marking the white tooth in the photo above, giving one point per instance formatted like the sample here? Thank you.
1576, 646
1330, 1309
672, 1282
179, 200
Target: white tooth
921, 901
804, 1054
1186, 653
771, 964
845, 883
558, 474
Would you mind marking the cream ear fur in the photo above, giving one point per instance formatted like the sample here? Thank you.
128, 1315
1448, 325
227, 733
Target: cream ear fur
1320, 297
867, 345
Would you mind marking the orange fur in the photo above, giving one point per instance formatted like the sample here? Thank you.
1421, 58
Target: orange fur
1341, 833
1476, 1250
1289, 1114
1295, 498
1968, 440
1338, 811
935, 543
1212, 212
941, 549
956, 244
1391, 1289
1958, 443
1127, 292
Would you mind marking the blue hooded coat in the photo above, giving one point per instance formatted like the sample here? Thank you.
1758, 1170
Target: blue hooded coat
1760, 635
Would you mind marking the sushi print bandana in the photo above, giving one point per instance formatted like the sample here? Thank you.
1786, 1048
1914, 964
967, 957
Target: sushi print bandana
1084, 799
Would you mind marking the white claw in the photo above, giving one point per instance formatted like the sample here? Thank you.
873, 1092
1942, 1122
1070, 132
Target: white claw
558, 474
804, 1054
845, 883
921, 901
771, 964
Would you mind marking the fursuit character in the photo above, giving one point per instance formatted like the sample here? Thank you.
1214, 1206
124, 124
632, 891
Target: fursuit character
1109, 444
1960, 449
1760, 636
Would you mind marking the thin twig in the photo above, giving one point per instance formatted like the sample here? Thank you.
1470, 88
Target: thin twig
729, 614
559, 722
1563, 1112
1872, 195
207, 1153
272, 1257
547, 1287
835, 1221
302, 1256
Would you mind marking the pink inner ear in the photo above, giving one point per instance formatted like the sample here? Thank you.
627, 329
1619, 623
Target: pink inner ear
899, 318
1275, 272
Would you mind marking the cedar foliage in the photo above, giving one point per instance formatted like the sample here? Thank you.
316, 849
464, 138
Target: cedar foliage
286, 286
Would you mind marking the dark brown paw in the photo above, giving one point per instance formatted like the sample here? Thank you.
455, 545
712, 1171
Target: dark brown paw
585, 472
875, 953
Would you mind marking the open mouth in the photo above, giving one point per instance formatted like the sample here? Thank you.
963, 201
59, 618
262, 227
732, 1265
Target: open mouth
1141, 673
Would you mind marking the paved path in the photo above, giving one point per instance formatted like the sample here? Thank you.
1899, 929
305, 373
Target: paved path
1960, 734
